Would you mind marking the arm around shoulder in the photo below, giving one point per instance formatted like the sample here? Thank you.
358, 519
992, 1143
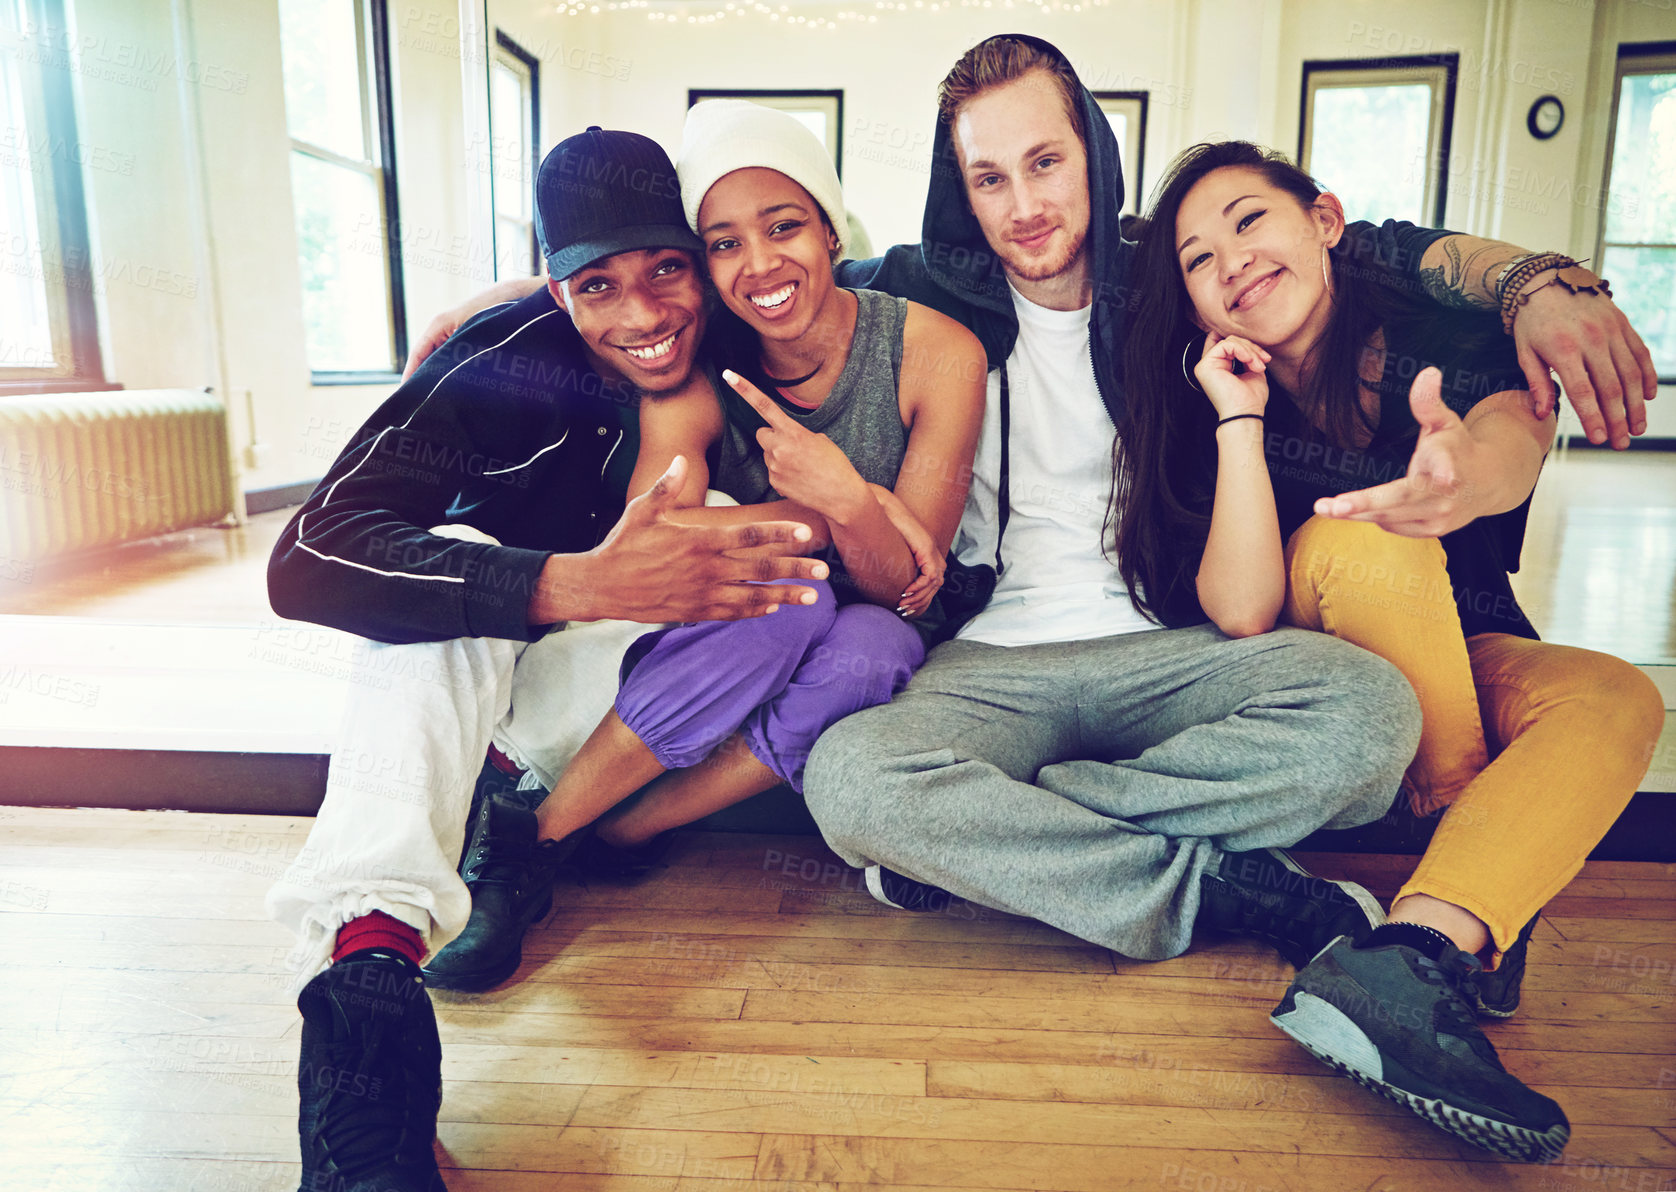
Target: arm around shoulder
1562, 319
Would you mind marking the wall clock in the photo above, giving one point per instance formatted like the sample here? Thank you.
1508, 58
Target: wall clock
1546, 116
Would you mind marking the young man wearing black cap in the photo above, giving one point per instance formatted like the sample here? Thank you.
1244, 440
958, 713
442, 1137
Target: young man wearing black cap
482, 504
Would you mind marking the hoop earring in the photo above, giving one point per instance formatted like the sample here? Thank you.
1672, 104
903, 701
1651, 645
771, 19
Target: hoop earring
1186, 371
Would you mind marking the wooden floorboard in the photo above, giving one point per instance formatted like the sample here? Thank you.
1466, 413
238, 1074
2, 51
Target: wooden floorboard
749, 1021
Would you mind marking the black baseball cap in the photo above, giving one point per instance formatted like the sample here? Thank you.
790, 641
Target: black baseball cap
602, 192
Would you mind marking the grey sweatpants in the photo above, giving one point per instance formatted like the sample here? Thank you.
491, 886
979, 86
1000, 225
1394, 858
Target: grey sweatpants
1088, 784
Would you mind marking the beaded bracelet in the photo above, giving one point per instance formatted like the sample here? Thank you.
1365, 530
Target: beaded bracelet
1500, 286
1512, 283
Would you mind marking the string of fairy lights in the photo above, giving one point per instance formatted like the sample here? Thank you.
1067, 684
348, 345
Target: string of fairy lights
824, 18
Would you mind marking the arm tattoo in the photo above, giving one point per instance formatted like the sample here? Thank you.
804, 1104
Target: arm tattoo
1467, 282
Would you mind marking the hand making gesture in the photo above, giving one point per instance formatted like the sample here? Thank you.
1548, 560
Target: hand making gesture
803, 465
809, 468
1461, 469
651, 567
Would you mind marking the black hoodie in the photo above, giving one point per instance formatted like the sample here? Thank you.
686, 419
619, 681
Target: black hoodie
953, 269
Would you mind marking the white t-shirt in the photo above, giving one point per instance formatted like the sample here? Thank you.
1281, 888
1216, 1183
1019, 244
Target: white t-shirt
1058, 585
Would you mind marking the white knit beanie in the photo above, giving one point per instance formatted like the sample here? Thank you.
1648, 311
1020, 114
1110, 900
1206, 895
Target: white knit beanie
724, 135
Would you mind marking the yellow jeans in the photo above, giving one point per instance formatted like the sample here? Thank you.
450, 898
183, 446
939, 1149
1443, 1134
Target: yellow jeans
1570, 731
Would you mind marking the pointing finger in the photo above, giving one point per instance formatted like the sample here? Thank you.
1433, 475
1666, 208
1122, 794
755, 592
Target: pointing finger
759, 401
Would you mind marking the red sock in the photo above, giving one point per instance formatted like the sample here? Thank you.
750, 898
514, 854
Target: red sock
378, 930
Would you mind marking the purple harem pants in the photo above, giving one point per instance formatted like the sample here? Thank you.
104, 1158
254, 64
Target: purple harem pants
781, 680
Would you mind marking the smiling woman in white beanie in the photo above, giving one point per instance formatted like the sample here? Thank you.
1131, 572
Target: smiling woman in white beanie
724, 135
841, 390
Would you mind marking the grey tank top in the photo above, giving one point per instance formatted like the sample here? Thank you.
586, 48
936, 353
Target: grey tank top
861, 414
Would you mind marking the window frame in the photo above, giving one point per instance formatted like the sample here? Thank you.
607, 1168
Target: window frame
770, 97
62, 230
531, 63
1133, 104
378, 131
1413, 68
1645, 52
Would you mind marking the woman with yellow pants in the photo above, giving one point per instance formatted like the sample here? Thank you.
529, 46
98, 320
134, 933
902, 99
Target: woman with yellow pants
1379, 495
1514, 829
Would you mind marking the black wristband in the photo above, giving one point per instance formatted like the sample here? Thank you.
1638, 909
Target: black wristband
1235, 418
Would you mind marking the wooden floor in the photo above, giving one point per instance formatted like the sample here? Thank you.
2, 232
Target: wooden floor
1599, 562
746, 1020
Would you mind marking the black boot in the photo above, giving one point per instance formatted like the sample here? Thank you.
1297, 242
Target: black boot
369, 1079
510, 877
496, 781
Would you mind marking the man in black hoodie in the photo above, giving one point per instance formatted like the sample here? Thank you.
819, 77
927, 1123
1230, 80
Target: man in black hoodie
1064, 757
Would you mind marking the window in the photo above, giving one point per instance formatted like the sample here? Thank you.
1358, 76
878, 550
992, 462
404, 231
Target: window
1126, 112
49, 337
1638, 231
343, 183
1375, 132
514, 155
822, 111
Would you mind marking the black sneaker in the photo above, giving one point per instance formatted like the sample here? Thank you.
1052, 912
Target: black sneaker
904, 893
1395, 1021
510, 876
1496, 995
369, 1078
1266, 894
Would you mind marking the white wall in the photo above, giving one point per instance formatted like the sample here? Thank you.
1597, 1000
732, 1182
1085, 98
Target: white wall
185, 304
1214, 68
623, 70
149, 284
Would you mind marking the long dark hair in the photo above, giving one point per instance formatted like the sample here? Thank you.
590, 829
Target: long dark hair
1164, 458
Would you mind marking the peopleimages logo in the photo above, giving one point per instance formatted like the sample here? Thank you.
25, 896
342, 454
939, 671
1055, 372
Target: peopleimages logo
24, 150
96, 56
1475, 71
589, 168
439, 33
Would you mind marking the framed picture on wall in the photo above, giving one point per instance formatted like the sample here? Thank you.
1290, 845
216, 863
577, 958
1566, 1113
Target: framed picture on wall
822, 111
1126, 112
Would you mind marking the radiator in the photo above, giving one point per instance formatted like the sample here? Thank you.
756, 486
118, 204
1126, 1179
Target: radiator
83, 470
